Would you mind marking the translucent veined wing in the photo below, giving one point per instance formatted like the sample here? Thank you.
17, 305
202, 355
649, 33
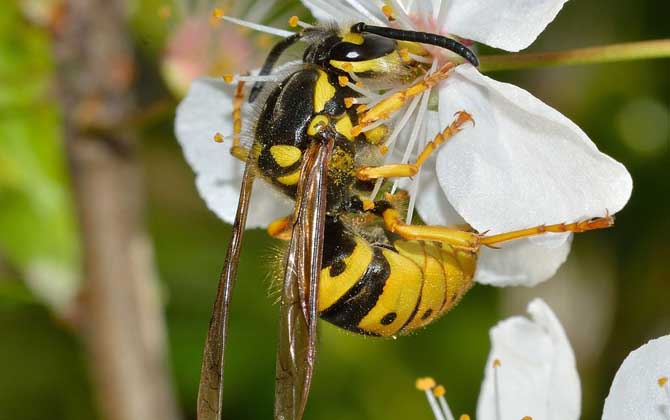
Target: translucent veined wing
298, 308
211, 375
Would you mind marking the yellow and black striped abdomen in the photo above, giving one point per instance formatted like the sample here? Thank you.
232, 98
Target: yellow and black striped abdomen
378, 290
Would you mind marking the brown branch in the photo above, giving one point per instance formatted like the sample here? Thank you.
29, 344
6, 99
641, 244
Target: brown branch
122, 318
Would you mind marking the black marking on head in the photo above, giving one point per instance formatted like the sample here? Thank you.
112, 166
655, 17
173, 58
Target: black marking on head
373, 46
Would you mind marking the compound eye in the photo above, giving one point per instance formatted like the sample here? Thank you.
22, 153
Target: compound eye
373, 46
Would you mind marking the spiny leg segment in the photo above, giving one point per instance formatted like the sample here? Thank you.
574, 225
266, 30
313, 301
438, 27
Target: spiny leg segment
366, 173
383, 109
237, 150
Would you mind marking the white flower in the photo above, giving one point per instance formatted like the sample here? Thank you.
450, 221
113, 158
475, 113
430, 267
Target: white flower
530, 373
640, 389
522, 164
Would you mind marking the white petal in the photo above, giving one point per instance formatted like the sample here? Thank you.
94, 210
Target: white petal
523, 163
520, 263
349, 11
635, 392
517, 263
537, 376
511, 25
206, 110
431, 202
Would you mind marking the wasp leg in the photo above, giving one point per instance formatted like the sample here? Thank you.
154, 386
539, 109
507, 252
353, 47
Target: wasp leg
473, 241
237, 150
384, 108
448, 235
576, 227
366, 173
281, 228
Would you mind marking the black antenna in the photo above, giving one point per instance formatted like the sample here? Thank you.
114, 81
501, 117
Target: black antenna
420, 37
271, 60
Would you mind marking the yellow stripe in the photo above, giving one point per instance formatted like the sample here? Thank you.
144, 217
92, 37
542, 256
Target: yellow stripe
353, 38
434, 285
400, 296
458, 280
343, 126
290, 179
323, 91
333, 288
285, 155
413, 47
317, 124
383, 64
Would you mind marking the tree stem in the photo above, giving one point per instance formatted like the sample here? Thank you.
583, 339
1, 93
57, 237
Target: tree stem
593, 55
122, 319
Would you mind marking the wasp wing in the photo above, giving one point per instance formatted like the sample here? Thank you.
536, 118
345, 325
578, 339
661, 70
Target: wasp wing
211, 375
298, 308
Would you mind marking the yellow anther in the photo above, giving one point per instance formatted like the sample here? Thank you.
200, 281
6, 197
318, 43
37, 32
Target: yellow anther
361, 109
425, 384
369, 205
527, 418
228, 78
347, 67
218, 13
662, 381
496, 363
383, 150
293, 21
464, 417
359, 84
218, 137
388, 12
439, 391
348, 102
342, 80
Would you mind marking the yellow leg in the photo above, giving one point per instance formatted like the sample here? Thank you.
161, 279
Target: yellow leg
455, 237
383, 109
473, 241
237, 150
576, 227
281, 228
238, 100
367, 173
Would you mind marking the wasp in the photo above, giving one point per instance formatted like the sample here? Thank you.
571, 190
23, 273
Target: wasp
352, 259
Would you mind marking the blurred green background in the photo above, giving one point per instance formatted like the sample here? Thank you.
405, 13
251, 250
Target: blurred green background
612, 295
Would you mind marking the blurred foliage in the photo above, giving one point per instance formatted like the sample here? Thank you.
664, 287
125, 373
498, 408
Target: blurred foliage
43, 369
35, 207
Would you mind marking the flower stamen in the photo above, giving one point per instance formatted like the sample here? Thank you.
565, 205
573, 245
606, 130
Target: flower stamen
233, 78
426, 385
496, 388
439, 392
294, 22
219, 14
